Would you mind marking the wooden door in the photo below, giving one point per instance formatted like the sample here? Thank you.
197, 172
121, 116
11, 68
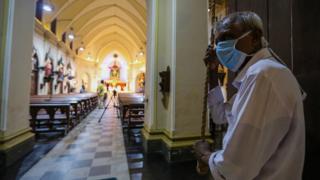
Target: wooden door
306, 66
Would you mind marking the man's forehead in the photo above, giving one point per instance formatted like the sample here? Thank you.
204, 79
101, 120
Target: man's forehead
230, 28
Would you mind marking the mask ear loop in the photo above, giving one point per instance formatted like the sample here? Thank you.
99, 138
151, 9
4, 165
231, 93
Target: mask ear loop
263, 40
242, 36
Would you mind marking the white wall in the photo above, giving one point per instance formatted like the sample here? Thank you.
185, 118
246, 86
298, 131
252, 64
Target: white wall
164, 59
1, 42
150, 87
191, 43
178, 38
90, 70
18, 72
1, 19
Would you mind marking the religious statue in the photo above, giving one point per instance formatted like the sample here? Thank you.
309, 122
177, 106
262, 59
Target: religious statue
141, 82
115, 69
115, 73
69, 72
48, 69
34, 61
60, 71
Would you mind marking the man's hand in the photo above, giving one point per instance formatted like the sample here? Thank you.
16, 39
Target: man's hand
211, 58
202, 151
211, 61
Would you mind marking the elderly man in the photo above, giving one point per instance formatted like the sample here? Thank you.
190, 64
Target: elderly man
266, 132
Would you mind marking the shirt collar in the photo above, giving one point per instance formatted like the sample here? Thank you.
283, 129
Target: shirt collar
261, 54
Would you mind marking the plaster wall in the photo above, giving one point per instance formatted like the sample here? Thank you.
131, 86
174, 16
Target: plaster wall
18, 89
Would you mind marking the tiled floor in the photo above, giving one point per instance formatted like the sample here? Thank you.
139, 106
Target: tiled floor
43, 145
92, 150
153, 166
100, 151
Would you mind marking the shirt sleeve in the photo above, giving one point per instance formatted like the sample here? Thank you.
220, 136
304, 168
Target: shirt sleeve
216, 105
260, 121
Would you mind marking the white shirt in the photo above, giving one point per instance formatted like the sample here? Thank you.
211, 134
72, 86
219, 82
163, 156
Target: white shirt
266, 133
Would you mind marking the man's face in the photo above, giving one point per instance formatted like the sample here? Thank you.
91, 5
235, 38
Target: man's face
245, 44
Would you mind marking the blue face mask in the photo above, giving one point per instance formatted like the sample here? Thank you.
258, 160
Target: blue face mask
229, 56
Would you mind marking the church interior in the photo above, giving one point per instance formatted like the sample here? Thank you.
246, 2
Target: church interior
113, 89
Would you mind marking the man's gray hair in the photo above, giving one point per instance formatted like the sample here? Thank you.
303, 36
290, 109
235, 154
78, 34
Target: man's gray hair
248, 21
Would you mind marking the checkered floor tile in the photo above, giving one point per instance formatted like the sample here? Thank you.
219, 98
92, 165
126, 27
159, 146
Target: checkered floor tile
92, 150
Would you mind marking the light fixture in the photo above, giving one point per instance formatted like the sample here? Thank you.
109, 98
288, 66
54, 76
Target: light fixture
141, 53
135, 61
71, 34
47, 6
209, 10
89, 57
81, 48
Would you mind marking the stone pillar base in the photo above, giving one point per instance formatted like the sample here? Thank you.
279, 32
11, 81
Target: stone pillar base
14, 147
173, 149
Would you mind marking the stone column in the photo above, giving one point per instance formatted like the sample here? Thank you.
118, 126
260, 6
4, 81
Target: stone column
17, 28
177, 38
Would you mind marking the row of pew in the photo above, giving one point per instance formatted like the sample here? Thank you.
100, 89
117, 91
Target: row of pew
131, 110
61, 112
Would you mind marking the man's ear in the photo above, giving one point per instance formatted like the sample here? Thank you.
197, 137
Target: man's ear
256, 39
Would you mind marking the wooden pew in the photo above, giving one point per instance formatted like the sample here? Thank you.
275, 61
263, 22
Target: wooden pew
129, 102
41, 124
135, 116
76, 103
88, 101
66, 108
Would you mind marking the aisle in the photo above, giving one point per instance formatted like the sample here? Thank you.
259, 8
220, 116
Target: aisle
91, 151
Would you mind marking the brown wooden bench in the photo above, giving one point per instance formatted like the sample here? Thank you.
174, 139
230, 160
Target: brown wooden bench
55, 122
128, 104
60, 112
86, 102
135, 114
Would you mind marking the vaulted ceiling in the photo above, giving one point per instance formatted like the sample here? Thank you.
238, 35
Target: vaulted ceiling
102, 25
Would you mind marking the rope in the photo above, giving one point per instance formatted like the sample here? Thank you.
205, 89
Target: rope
212, 6
205, 101
202, 168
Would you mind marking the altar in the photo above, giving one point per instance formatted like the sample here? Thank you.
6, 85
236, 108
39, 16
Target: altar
111, 84
114, 81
